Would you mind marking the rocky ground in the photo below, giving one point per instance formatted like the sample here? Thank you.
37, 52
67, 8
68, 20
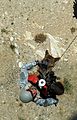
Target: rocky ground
18, 19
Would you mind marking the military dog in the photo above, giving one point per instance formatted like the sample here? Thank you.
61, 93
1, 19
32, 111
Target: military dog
45, 71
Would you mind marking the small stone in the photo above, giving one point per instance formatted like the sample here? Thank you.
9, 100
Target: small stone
12, 23
3, 15
11, 39
59, 68
3, 102
17, 99
15, 44
27, 19
2, 87
15, 33
20, 104
63, 8
65, 1
72, 30
6, 13
20, 64
12, 47
28, 36
3, 41
15, 110
65, 59
25, 44
13, 66
36, 118
68, 54
17, 60
42, 27
16, 51
56, 2
19, 3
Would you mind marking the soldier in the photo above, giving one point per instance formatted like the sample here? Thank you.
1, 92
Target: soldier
31, 87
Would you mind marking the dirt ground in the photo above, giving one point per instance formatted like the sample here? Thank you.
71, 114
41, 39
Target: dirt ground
49, 16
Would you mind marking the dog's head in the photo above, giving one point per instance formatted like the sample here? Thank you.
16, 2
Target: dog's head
46, 65
48, 60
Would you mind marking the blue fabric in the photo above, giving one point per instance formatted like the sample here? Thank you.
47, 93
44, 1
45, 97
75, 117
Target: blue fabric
30, 65
24, 73
24, 81
46, 102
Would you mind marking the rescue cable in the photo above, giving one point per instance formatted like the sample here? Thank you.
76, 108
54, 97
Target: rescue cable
69, 45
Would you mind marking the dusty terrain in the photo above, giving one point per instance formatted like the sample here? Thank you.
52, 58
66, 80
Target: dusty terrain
50, 16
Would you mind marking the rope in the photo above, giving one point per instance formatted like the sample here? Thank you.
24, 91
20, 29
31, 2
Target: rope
69, 46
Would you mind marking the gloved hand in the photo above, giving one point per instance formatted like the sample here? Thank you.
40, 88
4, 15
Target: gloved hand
42, 64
